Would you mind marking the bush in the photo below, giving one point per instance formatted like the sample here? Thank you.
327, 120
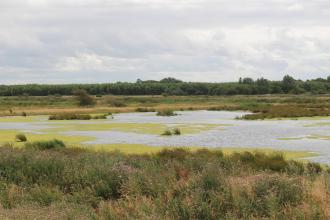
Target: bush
69, 116
314, 168
166, 112
145, 109
176, 131
46, 145
83, 98
275, 193
167, 132
115, 102
43, 195
20, 138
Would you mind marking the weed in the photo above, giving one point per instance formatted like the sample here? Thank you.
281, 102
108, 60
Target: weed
21, 138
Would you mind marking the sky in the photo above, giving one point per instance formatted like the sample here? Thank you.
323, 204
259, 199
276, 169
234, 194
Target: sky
92, 41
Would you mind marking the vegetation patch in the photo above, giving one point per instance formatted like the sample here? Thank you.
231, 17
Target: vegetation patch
175, 131
9, 136
166, 112
69, 116
141, 109
170, 184
46, 145
20, 138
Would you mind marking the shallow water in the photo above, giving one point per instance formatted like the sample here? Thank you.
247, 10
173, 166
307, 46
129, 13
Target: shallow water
229, 132
238, 133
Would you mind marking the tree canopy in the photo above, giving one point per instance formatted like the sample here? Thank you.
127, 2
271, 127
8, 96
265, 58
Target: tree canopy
172, 86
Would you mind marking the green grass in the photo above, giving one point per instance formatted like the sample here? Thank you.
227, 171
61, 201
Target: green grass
319, 137
8, 136
141, 128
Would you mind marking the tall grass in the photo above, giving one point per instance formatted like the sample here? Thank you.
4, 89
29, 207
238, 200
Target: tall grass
46, 145
172, 184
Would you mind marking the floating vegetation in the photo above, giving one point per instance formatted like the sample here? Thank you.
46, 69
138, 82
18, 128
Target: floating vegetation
20, 138
166, 112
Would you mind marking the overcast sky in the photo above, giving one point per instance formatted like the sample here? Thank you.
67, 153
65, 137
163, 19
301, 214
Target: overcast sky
65, 41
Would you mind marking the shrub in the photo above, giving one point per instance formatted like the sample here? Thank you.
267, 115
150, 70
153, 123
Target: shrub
83, 98
20, 138
44, 196
69, 116
274, 193
46, 145
274, 161
176, 131
115, 102
145, 109
167, 132
24, 114
166, 112
177, 153
314, 168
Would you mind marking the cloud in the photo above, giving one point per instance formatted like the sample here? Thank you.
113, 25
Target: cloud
58, 41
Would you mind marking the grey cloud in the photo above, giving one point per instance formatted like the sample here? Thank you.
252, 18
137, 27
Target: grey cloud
102, 40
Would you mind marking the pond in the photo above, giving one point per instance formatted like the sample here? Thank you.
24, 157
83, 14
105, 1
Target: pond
211, 129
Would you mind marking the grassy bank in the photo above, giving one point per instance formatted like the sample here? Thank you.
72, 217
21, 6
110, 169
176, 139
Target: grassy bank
265, 106
39, 181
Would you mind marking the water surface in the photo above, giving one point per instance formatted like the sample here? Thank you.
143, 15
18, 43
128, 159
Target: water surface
296, 135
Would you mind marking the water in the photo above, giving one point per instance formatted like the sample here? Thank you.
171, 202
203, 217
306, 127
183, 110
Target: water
240, 133
233, 133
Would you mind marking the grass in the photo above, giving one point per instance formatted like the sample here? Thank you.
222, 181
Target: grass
46, 145
9, 136
146, 149
319, 137
70, 116
140, 128
265, 106
66, 183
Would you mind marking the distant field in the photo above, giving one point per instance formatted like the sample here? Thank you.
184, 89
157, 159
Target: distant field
266, 106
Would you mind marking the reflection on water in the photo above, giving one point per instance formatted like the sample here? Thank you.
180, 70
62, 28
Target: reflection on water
253, 134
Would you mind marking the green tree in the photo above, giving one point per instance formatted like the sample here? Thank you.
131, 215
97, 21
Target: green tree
247, 80
83, 98
288, 84
170, 80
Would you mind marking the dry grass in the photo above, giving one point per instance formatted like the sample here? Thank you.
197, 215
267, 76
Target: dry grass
52, 212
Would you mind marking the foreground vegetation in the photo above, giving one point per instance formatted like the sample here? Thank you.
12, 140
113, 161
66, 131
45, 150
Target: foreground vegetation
48, 179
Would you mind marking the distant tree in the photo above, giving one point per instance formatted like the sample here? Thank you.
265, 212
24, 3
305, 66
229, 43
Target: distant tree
170, 80
83, 97
320, 80
247, 80
263, 86
240, 80
328, 79
288, 84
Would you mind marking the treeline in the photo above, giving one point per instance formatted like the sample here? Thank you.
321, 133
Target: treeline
172, 86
